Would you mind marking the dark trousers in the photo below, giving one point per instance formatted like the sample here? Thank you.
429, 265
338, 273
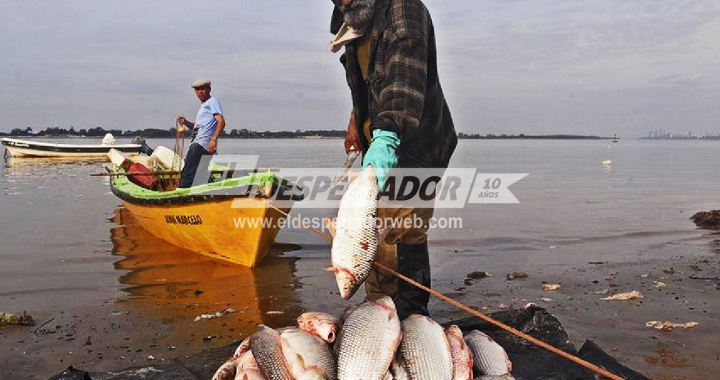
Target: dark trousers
191, 168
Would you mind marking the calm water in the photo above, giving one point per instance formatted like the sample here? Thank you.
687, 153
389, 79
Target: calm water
67, 243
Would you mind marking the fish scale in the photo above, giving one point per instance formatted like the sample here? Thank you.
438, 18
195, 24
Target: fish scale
368, 341
266, 347
425, 349
461, 354
312, 350
489, 357
356, 237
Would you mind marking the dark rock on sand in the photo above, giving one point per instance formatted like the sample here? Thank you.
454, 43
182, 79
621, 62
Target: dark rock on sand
707, 219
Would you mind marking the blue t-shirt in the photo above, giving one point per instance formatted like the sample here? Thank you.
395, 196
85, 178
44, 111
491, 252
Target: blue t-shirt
205, 122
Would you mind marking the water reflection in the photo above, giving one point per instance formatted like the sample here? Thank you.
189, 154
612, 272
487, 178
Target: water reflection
175, 286
31, 164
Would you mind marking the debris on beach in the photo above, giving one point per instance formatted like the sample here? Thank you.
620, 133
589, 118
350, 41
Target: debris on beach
707, 278
624, 296
218, 314
659, 284
669, 326
476, 275
551, 287
669, 270
546, 300
516, 275
604, 291
7, 319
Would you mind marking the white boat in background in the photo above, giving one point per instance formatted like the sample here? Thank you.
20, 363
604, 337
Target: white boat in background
31, 148
606, 163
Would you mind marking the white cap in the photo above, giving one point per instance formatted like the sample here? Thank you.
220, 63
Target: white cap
200, 83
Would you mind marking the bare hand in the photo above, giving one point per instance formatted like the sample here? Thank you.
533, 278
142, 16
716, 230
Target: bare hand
181, 120
212, 146
352, 140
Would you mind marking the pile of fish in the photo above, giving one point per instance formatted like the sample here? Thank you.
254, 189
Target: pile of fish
368, 343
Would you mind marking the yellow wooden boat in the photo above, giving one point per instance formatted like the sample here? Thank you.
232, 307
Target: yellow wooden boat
230, 220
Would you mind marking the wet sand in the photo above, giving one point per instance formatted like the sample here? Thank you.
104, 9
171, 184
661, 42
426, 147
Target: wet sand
168, 288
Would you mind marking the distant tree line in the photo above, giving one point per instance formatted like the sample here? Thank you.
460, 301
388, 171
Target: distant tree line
245, 133
522, 136
170, 133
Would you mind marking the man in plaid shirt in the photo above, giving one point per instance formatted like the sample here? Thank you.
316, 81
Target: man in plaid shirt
399, 119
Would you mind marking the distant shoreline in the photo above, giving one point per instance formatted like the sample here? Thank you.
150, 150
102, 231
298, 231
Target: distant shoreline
98, 133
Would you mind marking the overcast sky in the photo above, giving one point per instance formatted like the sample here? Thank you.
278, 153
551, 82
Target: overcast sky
507, 66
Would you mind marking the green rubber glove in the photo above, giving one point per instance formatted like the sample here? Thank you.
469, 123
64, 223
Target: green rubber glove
381, 154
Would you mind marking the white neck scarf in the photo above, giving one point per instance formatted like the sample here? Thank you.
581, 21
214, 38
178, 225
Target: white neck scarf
345, 36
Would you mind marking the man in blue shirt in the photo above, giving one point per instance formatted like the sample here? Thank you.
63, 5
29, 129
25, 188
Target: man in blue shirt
208, 126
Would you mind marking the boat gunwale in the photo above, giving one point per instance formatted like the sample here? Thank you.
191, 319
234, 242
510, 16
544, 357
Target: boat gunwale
38, 145
221, 193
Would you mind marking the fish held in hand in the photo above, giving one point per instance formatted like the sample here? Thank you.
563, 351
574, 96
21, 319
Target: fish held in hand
368, 341
489, 357
356, 237
323, 325
266, 347
307, 355
461, 355
425, 349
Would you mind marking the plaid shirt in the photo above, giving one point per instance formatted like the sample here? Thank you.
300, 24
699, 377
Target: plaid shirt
402, 93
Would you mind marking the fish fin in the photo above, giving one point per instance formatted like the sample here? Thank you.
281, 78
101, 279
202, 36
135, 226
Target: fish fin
331, 269
300, 360
330, 224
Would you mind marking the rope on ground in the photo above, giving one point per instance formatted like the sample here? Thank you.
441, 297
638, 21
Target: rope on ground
503, 326
476, 313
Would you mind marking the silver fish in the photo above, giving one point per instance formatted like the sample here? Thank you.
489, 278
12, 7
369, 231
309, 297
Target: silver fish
228, 370
266, 347
321, 324
314, 374
356, 236
248, 368
307, 355
397, 368
425, 349
489, 357
368, 341
250, 375
461, 354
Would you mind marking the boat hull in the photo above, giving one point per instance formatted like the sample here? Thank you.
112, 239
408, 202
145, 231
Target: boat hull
27, 148
240, 231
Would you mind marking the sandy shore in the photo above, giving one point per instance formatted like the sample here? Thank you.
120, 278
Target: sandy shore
150, 330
